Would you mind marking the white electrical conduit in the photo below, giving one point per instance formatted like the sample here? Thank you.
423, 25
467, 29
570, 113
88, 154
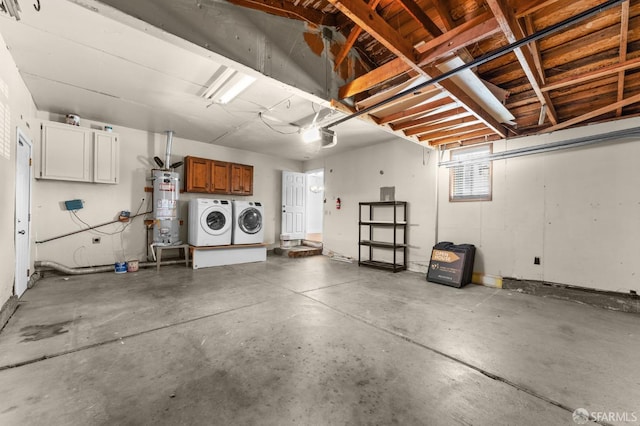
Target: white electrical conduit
40, 264
554, 146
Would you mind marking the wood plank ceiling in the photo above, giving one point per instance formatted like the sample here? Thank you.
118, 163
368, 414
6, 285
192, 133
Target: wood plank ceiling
588, 72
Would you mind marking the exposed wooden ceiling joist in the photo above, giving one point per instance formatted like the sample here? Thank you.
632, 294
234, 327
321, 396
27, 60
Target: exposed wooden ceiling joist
420, 16
600, 111
532, 6
624, 37
446, 123
416, 111
453, 132
457, 138
437, 118
373, 24
462, 36
471, 32
602, 72
386, 35
513, 33
351, 39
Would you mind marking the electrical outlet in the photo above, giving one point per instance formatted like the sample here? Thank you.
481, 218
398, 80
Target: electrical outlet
96, 240
536, 260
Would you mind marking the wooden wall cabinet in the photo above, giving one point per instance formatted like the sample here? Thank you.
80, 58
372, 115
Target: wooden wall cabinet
217, 177
241, 179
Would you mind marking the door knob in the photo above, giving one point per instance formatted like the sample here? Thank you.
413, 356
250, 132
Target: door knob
21, 232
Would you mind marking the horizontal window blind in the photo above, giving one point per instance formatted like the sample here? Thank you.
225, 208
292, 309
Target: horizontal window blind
471, 182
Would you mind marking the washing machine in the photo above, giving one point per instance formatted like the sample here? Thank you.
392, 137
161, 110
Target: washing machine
210, 222
248, 226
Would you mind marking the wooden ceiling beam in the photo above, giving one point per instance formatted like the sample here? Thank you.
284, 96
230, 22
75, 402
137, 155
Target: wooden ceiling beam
452, 132
624, 37
448, 124
351, 39
420, 16
513, 33
371, 79
373, 24
289, 10
378, 28
437, 118
459, 37
593, 75
460, 138
477, 29
592, 114
532, 6
443, 12
535, 49
416, 111
427, 105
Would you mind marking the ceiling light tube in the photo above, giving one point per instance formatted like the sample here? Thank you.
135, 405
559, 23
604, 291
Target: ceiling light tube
218, 83
233, 91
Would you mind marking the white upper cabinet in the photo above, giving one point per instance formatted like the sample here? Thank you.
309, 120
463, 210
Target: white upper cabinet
105, 157
66, 152
78, 154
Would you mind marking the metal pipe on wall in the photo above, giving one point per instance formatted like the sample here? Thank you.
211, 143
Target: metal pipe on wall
619, 135
39, 264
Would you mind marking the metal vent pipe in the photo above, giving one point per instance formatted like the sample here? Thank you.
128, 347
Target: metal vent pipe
167, 154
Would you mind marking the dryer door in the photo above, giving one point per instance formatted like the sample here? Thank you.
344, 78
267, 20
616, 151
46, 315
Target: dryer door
250, 221
215, 220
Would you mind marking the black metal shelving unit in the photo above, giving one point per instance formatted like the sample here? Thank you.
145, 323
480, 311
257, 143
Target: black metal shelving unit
397, 245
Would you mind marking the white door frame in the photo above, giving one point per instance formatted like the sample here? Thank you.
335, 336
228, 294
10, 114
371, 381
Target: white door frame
293, 206
23, 222
308, 204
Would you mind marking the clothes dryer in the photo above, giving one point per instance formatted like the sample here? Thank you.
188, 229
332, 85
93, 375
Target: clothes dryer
248, 226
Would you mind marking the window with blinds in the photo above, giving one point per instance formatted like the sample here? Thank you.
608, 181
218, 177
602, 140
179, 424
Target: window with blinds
470, 182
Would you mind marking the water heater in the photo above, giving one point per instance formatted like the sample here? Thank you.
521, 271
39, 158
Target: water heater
166, 192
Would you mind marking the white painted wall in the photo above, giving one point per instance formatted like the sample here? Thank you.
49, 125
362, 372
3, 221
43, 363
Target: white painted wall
577, 209
104, 202
315, 203
355, 176
16, 100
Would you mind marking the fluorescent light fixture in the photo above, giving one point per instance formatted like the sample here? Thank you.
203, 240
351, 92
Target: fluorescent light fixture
12, 7
226, 85
219, 81
236, 89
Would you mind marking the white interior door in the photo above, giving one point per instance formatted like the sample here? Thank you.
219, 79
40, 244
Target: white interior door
23, 205
293, 201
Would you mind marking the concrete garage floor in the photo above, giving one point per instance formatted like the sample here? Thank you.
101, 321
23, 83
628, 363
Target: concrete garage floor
309, 341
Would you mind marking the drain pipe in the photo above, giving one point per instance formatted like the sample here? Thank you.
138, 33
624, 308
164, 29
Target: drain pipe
40, 264
485, 58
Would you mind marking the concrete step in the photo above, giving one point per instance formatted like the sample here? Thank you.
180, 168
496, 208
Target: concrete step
298, 251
